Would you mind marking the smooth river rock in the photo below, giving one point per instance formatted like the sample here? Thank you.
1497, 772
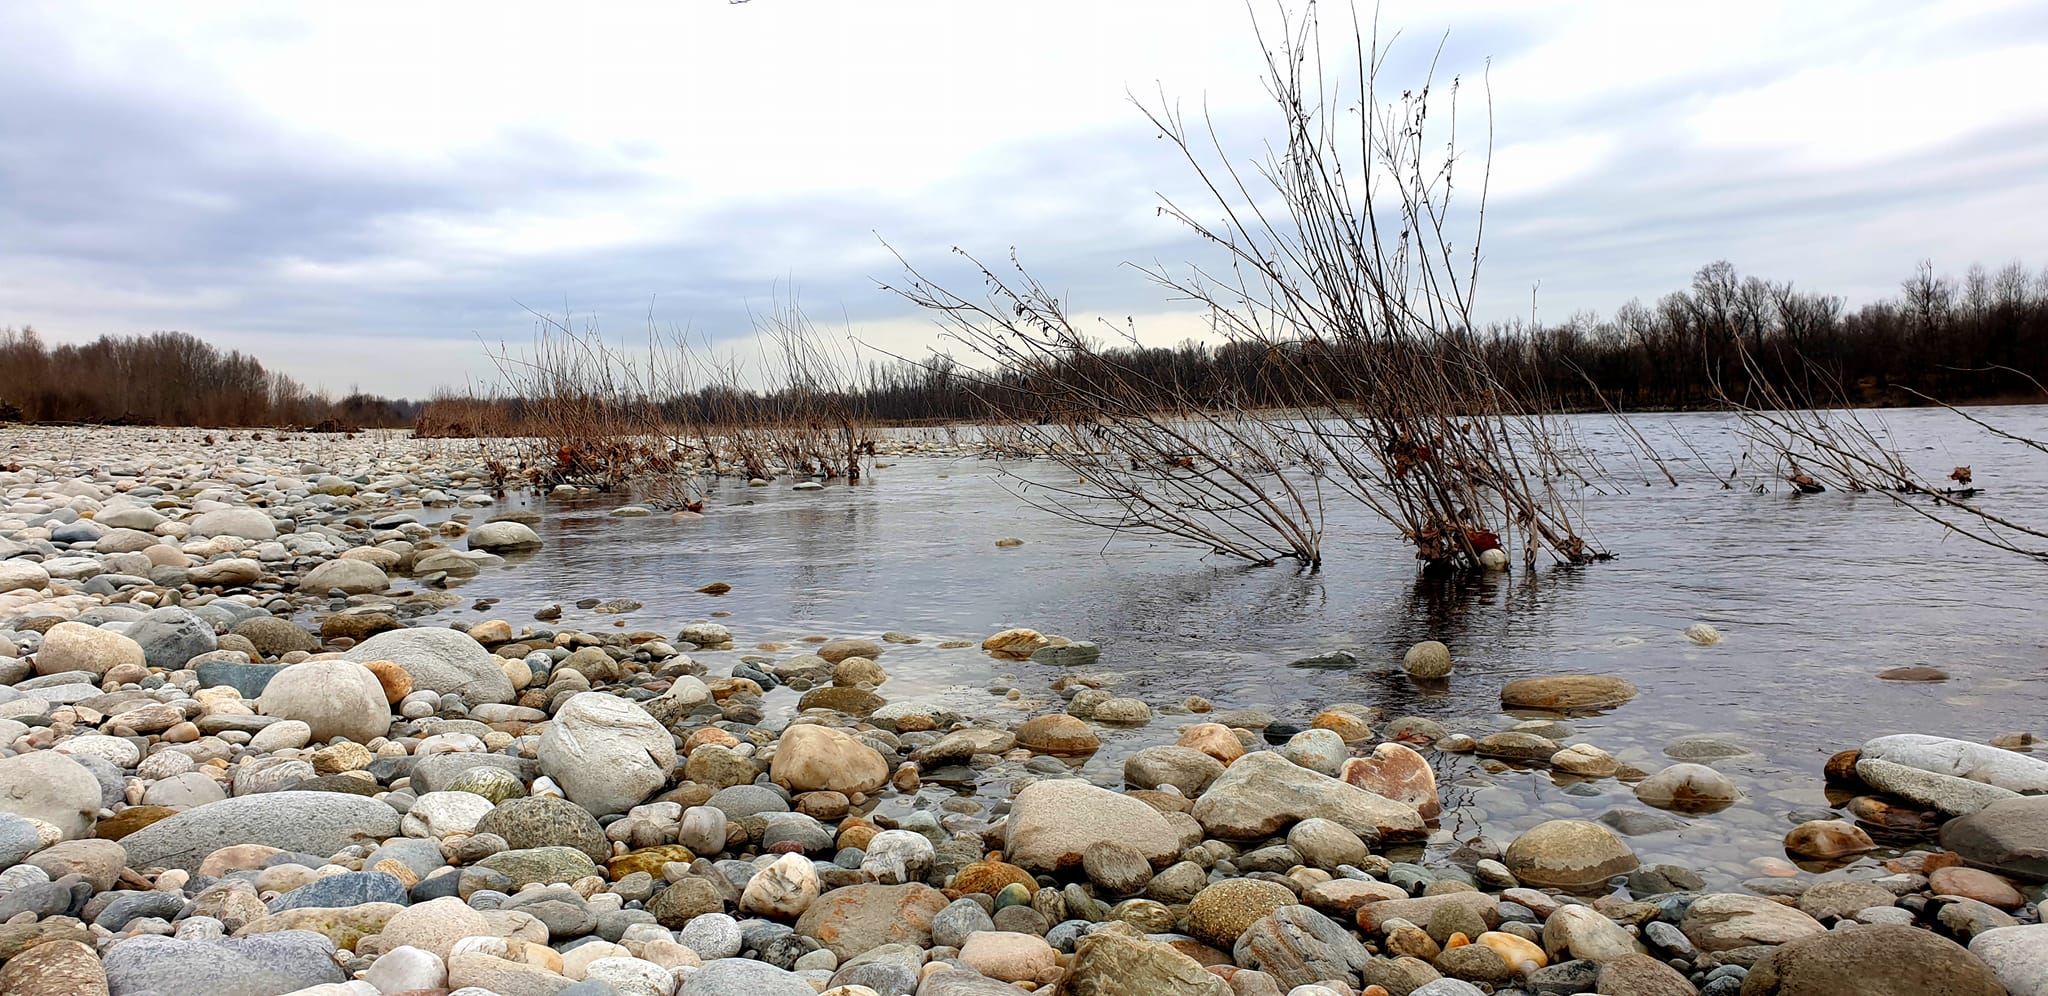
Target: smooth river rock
606, 752
1053, 822
1723, 921
859, 918
1948, 793
811, 758
2018, 955
442, 660
1960, 758
1880, 960
74, 646
1263, 793
333, 698
48, 786
1567, 693
2009, 837
258, 965
1568, 854
309, 822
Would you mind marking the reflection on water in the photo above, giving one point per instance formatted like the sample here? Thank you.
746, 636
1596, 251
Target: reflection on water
1816, 594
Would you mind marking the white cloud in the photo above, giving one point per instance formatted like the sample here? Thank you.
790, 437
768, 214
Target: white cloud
699, 153
1880, 106
1527, 169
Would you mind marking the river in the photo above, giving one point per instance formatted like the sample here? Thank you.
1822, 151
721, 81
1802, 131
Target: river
1816, 594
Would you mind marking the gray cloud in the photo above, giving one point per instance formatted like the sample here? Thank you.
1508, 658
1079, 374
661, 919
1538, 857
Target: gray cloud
129, 208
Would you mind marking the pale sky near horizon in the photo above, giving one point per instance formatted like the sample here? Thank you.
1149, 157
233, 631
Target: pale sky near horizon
358, 193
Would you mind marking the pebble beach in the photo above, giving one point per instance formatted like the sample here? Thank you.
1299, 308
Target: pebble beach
244, 752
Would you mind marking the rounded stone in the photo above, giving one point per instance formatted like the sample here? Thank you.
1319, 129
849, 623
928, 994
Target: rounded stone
1057, 733
1585, 761
1427, 660
1184, 768
1221, 913
1726, 921
504, 537
1116, 868
440, 659
543, 821
1688, 788
1877, 960
1827, 839
1569, 855
350, 577
51, 787
838, 651
812, 758
606, 752
274, 637
74, 646
1567, 693
1053, 822
1319, 750
333, 698
1008, 957
495, 784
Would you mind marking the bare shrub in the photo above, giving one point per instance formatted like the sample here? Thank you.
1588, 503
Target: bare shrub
1817, 441
1347, 274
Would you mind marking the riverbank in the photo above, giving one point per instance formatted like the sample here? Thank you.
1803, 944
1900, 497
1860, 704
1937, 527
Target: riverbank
254, 756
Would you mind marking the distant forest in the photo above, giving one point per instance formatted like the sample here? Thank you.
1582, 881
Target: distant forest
168, 378
1983, 337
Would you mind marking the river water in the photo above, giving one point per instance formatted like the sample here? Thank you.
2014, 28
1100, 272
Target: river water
1816, 594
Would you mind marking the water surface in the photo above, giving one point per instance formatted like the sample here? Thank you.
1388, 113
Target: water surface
1816, 594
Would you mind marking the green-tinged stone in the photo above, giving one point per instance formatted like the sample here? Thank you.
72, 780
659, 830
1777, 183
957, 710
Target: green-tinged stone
495, 784
344, 925
546, 865
1079, 654
649, 860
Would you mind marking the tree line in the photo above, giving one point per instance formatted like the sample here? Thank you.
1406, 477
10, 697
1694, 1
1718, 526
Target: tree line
1983, 337
169, 378
1727, 336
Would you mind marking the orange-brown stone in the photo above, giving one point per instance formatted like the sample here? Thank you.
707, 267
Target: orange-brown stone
396, 682
1213, 739
1398, 773
990, 875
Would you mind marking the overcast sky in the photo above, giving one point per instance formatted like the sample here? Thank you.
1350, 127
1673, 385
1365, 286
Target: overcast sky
358, 191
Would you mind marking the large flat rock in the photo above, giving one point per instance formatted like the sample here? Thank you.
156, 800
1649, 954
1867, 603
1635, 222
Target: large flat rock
1263, 794
1963, 759
307, 822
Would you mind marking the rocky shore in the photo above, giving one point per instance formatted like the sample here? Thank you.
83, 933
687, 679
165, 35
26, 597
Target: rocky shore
240, 755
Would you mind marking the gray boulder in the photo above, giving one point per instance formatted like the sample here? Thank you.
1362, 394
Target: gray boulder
353, 577
247, 523
1963, 759
2019, 955
308, 822
731, 976
259, 965
1951, 794
503, 537
170, 636
1263, 793
18, 839
1883, 960
606, 752
2009, 837
335, 698
443, 660
51, 787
